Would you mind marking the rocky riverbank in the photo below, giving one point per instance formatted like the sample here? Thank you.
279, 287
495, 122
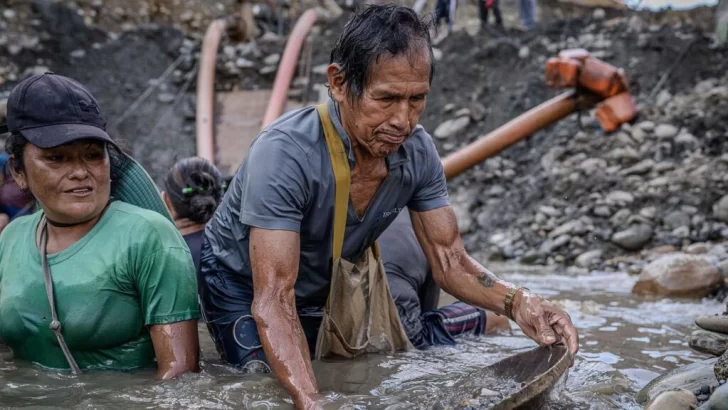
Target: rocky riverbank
569, 195
573, 194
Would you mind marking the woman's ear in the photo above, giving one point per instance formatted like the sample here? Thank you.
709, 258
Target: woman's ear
18, 175
168, 203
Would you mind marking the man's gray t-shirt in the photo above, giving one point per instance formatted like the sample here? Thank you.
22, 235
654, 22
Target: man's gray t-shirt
287, 183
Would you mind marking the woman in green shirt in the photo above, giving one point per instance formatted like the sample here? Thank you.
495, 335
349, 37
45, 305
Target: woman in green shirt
99, 278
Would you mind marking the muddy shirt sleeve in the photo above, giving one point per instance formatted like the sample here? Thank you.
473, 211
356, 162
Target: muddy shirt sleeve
274, 183
431, 188
164, 276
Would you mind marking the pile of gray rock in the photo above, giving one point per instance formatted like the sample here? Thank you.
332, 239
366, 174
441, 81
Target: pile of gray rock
597, 197
571, 194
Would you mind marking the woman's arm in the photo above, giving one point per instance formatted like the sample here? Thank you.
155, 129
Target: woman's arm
176, 348
4, 221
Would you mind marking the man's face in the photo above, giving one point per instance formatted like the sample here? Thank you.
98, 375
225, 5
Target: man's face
383, 117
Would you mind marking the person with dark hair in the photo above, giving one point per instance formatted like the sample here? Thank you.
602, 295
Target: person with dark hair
193, 189
98, 278
290, 268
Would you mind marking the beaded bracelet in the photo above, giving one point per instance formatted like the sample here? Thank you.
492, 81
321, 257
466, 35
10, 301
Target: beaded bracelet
509, 301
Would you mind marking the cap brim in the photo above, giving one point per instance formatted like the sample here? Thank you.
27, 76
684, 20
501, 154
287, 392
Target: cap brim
51, 136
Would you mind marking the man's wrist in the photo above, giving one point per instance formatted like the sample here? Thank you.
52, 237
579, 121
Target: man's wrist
513, 300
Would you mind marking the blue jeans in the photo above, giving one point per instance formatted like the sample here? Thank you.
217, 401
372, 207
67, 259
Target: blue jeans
527, 10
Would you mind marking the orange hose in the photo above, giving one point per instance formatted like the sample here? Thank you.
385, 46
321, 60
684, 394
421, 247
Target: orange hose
206, 89
511, 132
287, 67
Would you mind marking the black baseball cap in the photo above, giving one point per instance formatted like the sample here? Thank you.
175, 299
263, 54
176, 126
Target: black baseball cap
51, 110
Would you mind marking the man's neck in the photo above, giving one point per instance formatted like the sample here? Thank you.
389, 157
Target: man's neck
363, 159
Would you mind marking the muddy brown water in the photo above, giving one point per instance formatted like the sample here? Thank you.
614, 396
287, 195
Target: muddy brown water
625, 342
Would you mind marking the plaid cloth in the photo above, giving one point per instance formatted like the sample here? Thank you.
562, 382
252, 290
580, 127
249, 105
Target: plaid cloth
440, 327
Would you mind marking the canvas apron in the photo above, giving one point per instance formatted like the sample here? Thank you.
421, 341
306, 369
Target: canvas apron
360, 315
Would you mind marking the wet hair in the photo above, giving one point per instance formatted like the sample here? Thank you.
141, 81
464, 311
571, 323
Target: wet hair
14, 146
195, 188
376, 31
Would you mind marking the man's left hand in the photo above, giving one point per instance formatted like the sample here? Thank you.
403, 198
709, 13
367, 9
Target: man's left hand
543, 322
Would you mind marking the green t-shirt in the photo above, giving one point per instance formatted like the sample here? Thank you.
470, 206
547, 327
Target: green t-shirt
132, 270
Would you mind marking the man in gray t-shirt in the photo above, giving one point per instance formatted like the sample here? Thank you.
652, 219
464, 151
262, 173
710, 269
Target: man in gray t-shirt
266, 260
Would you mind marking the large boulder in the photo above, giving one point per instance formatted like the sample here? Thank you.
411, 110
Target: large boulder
708, 342
718, 400
452, 127
715, 323
678, 399
689, 377
720, 368
720, 209
634, 237
680, 275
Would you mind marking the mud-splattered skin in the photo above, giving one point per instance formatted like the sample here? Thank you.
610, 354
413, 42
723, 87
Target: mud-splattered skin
54, 176
461, 276
274, 256
176, 348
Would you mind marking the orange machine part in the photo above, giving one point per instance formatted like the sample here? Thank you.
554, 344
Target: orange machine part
562, 73
206, 89
287, 66
601, 78
615, 111
509, 133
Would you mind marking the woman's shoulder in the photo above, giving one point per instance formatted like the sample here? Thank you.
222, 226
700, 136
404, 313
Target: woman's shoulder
147, 224
21, 225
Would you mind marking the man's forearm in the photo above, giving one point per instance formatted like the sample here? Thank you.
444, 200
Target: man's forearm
469, 281
286, 349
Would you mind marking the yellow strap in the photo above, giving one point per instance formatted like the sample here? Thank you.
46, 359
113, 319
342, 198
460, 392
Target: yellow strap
342, 175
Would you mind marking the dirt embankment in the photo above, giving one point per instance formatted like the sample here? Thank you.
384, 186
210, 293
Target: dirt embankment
567, 191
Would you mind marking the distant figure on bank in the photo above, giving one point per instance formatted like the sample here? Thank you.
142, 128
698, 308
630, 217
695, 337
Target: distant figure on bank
527, 11
193, 189
484, 6
99, 278
445, 10
417, 295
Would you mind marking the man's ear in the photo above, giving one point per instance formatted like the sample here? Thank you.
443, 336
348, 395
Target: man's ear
336, 79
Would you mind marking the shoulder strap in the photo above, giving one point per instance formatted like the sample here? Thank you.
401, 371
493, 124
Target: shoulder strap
342, 175
55, 324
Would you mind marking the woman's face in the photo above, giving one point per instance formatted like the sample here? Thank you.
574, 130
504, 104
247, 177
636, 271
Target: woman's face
71, 182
